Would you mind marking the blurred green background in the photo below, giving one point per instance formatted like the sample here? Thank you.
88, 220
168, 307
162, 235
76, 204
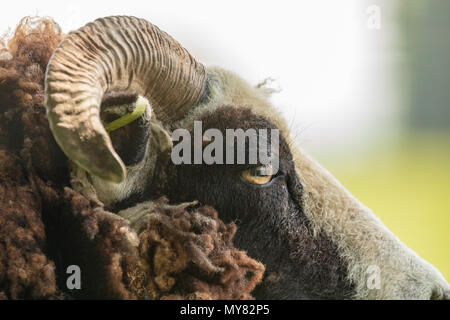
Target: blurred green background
403, 174
407, 185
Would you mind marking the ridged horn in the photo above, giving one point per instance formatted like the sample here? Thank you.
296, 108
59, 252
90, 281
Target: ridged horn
116, 53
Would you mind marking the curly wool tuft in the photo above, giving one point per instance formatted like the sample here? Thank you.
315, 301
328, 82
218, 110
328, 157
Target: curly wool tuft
26, 148
189, 254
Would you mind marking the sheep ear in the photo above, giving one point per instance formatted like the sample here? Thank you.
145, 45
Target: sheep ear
269, 86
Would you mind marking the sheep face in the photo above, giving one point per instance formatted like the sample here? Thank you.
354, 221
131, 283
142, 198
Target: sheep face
272, 226
315, 239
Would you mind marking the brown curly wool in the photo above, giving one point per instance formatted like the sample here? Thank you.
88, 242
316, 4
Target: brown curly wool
45, 226
25, 269
189, 254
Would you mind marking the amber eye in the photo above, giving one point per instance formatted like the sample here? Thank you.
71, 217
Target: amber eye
258, 175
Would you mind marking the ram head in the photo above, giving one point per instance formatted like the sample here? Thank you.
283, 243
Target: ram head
315, 239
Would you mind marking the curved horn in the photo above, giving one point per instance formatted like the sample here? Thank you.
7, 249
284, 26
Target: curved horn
115, 53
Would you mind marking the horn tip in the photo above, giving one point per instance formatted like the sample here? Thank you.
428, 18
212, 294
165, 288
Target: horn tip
116, 177
113, 170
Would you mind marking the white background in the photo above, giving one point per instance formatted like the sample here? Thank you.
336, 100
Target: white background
338, 87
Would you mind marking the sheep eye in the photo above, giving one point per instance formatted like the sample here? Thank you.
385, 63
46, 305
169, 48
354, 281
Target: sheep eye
258, 175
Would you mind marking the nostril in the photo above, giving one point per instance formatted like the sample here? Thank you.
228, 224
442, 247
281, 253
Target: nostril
447, 295
440, 294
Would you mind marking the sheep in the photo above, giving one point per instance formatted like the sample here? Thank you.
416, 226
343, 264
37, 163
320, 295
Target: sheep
315, 240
